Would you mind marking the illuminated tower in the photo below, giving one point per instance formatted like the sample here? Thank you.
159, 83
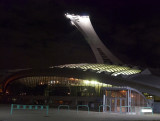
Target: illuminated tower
102, 54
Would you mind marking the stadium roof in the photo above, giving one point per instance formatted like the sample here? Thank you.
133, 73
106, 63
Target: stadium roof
116, 75
113, 70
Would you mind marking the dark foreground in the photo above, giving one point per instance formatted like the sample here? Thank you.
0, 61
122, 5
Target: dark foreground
64, 115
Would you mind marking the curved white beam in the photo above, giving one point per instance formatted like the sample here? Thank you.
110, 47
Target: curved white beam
102, 54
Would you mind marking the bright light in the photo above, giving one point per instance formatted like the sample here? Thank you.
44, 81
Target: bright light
77, 18
71, 79
72, 23
68, 93
115, 69
100, 83
7, 92
90, 82
68, 15
86, 81
84, 20
146, 110
94, 82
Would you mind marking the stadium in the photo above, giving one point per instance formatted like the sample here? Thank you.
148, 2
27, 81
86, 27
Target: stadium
109, 82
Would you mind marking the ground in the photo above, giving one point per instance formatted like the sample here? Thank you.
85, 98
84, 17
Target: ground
72, 115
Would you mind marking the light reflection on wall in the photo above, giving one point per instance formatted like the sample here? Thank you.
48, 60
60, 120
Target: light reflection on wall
73, 86
53, 80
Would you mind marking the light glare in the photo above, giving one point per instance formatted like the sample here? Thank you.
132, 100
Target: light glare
146, 110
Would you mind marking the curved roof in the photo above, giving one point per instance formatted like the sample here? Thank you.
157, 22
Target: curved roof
113, 70
105, 73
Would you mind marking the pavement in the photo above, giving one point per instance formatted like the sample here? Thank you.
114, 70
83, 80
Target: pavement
71, 115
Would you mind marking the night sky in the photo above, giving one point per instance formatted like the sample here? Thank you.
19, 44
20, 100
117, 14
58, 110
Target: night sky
36, 34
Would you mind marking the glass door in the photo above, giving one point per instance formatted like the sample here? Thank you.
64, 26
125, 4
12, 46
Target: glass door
113, 104
123, 102
118, 104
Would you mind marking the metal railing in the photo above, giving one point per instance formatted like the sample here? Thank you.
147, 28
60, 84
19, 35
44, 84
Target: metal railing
104, 106
63, 106
30, 107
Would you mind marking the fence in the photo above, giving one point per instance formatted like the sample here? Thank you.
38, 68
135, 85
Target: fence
31, 107
104, 106
63, 106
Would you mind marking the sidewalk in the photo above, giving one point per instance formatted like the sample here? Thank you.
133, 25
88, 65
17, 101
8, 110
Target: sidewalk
64, 115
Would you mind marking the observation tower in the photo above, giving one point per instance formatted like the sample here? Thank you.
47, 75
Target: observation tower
101, 52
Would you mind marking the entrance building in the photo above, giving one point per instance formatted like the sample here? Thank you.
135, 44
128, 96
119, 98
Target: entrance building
95, 85
123, 100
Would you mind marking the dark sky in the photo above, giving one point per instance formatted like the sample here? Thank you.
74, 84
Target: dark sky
35, 33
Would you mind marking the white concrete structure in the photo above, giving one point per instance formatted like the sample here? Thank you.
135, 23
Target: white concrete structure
102, 54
